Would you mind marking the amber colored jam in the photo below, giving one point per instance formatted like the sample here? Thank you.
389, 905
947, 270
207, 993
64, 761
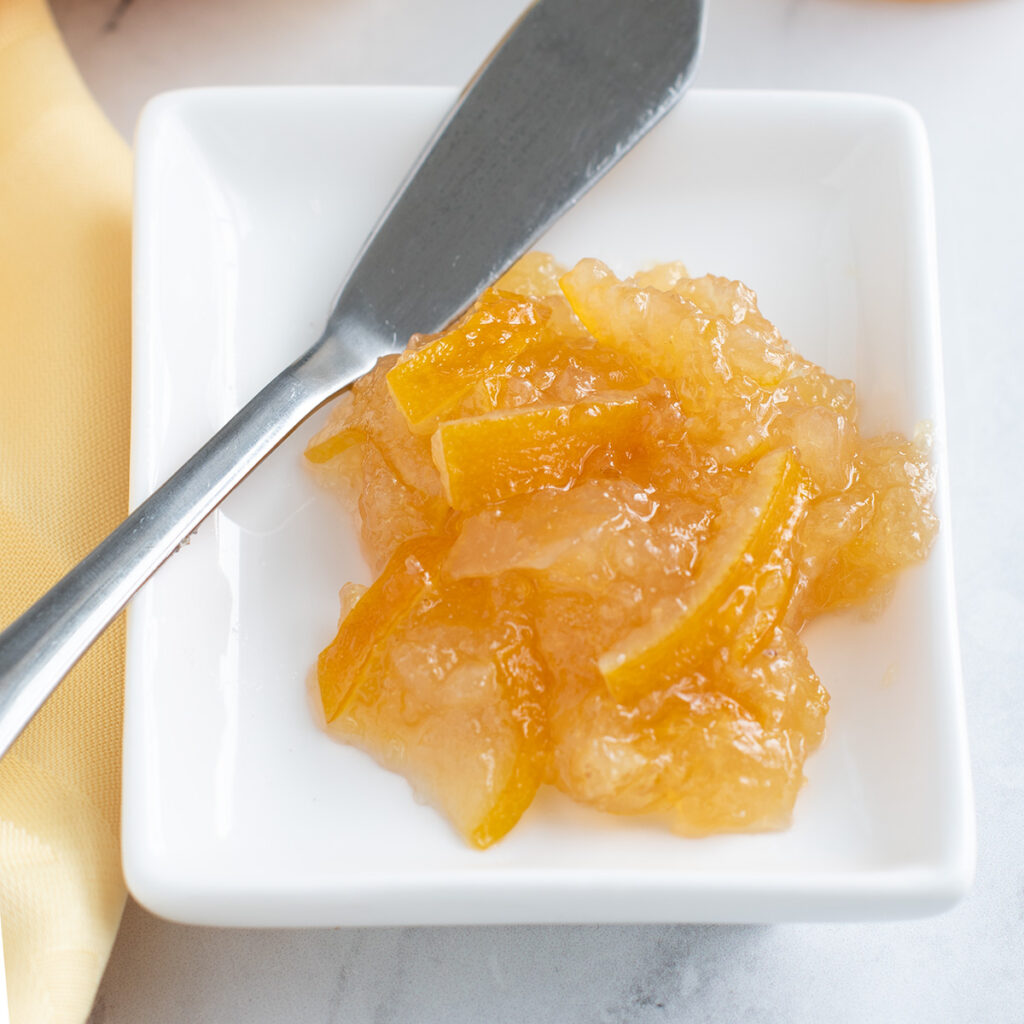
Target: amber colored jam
601, 512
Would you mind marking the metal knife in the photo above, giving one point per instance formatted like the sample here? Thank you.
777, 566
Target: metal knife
571, 88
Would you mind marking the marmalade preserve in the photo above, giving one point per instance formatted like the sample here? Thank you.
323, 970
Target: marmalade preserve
600, 513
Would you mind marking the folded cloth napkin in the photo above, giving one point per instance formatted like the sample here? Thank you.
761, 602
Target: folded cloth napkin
65, 250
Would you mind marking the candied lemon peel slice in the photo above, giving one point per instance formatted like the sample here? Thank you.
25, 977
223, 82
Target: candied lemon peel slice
348, 661
430, 381
325, 450
521, 676
714, 613
488, 458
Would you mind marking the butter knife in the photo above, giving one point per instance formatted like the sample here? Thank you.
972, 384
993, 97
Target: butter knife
571, 88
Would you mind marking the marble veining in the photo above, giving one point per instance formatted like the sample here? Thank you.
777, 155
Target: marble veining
117, 13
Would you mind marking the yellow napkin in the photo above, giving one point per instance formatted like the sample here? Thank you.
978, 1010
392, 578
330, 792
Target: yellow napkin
65, 195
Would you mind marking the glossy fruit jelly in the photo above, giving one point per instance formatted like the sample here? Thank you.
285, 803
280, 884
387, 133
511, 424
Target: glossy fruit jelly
600, 512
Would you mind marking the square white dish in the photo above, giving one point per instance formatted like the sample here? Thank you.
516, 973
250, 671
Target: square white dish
238, 809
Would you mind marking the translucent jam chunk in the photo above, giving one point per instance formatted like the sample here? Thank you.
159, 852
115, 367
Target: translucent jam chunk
601, 511
740, 589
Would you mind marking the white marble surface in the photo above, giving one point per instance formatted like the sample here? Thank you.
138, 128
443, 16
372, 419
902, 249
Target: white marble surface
960, 64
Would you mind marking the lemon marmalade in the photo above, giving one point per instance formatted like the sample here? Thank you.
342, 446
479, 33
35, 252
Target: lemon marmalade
600, 512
